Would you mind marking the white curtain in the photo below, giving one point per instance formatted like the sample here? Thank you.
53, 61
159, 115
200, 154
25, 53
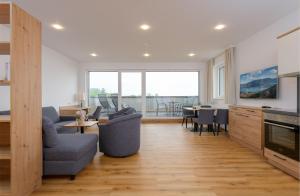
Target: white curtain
230, 77
210, 87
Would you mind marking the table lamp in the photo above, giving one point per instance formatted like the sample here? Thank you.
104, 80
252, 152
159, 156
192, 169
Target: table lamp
81, 99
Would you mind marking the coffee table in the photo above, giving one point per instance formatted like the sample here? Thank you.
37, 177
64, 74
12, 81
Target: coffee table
82, 126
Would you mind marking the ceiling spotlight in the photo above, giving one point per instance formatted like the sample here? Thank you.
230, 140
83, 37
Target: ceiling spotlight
94, 54
192, 54
57, 26
145, 27
220, 27
147, 54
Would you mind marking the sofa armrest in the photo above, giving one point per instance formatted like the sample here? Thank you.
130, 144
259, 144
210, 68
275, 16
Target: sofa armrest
67, 118
124, 118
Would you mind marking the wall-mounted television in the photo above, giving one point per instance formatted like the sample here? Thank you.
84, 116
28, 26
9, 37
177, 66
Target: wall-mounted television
261, 84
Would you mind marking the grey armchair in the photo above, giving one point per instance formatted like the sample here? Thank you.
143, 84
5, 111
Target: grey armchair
120, 137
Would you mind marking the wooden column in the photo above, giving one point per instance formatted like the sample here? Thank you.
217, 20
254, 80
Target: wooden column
26, 114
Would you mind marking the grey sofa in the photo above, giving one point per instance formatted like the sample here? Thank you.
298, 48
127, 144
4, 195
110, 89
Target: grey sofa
66, 154
5, 112
122, 112
120, 137
59, 121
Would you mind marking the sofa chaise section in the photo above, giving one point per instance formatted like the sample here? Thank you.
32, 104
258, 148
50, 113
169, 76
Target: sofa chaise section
70, 155
66, 154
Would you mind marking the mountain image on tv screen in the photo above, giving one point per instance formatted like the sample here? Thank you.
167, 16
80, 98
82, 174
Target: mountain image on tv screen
260, 84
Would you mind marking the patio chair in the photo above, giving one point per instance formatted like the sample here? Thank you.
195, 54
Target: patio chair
114, 100
160, 105
104, 103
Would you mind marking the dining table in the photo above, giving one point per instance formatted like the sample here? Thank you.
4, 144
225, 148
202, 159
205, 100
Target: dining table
198, 108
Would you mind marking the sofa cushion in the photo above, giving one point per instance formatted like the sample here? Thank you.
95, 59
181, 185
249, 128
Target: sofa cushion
50, 137
71, 147
51, 113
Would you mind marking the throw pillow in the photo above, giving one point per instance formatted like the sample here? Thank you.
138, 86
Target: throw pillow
50, 136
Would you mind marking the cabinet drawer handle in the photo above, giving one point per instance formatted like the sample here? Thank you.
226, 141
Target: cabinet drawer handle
278, 125
243, 115
279, 157
250, 111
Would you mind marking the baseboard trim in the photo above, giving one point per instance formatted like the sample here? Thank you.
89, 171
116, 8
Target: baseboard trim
151, 120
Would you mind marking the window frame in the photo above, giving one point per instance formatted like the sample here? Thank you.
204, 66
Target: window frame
217, 81
143, 71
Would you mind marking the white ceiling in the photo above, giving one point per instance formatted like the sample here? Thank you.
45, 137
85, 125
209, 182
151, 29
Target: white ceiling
110, 27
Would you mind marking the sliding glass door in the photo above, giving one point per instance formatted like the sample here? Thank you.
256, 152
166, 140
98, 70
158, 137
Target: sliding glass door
155, 94
131, 85
103, 90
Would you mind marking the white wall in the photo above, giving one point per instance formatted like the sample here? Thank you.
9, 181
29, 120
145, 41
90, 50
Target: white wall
59, 77
260, 51
85, 67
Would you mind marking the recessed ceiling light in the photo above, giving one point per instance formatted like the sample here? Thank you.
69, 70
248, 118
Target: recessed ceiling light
94, 54
220, 27
145, 27
147, 54
57, 26
192, 54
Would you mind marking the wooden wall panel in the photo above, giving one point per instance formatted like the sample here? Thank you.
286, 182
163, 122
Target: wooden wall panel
26, 114
4, 13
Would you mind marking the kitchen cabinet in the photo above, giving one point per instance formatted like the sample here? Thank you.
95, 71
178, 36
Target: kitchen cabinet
289, 53
246, 126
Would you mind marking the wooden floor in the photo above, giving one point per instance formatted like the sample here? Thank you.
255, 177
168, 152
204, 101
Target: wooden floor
175, 161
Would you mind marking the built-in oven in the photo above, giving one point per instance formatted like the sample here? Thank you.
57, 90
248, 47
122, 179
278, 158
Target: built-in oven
282, 134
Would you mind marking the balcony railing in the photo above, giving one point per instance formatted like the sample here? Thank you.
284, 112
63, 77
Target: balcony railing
161, 106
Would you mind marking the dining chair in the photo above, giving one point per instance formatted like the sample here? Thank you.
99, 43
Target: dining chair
187, 114
221, 119
205, 117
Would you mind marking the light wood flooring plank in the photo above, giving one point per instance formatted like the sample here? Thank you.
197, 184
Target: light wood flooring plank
175, 161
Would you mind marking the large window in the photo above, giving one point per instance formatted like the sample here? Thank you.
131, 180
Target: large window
167, 92
154, 94
219, 81
132, 90
104, 90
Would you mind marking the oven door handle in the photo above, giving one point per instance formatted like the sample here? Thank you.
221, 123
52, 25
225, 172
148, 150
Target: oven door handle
283, 126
